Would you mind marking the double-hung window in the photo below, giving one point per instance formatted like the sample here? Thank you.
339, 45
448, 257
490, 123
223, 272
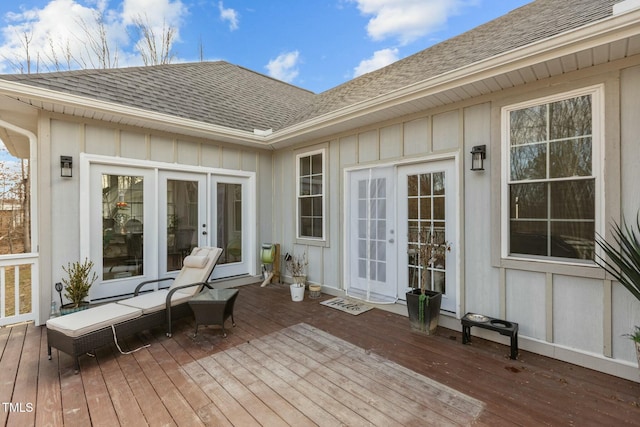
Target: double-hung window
311, 195
552, 176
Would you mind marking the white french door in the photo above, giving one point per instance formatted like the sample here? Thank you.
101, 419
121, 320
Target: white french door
427, 206
141, 222
387, 207
231, 207
182, 217
371, 241
121, 226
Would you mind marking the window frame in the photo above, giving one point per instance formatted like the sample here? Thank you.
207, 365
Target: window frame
597, 173
323, 195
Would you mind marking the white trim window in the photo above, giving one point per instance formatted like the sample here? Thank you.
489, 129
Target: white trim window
552, 180
310, 195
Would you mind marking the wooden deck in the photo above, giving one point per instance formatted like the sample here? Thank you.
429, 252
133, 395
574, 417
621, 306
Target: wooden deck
289, 363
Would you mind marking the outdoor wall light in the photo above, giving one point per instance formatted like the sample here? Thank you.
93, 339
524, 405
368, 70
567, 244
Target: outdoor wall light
66, 163
478, 154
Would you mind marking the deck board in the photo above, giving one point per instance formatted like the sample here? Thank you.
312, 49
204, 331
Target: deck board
270, 371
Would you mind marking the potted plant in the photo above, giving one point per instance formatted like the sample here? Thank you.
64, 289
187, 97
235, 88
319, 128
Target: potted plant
297, 266
423, 304
622, 261
79, 279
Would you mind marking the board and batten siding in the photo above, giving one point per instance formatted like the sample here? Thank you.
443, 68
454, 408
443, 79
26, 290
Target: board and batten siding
400, 141
72, 137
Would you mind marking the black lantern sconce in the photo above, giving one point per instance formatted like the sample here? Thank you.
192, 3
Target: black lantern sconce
478, 154
66, 164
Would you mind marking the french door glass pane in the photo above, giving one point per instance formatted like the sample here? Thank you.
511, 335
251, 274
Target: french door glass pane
182, 221
426, 212
229, 229
122, 226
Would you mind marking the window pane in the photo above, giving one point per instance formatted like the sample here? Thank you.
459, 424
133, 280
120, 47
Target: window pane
317, 206
425, 208
316, 185
528, 201
438, 183
425, 184
122, 226
529, 238
182, 221
572, 239
570, 158
316, 164
528, 125
412, 185
305, 186
529, 162
306, 208
570, 118
438, 208
230, 222
305, 166
573, 199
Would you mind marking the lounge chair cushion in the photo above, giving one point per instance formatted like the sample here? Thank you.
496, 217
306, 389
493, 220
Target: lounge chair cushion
87, 321
193, 271
155, 301
195, 261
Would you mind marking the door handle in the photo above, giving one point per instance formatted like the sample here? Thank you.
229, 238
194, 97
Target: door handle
391, 240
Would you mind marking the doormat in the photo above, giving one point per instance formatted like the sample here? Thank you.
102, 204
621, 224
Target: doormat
347, 305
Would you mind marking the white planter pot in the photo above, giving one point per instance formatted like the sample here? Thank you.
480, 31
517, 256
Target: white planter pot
638, 352
297, 292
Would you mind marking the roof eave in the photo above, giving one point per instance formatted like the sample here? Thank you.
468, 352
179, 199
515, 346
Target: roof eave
608, 30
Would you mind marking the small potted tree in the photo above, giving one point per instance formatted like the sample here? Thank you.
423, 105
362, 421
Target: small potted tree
423, 302
297, 266
79, 279
622, 261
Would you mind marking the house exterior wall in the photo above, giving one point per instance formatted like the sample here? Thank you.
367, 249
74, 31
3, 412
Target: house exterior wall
61, 200
565, 310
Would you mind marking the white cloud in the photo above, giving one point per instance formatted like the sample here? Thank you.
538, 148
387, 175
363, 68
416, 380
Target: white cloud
380, 58
57, 32
284, 67
408, 20
229, 15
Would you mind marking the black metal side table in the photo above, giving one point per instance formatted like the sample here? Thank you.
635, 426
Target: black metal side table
214, 307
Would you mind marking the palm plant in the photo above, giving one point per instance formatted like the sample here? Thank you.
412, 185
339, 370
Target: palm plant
622, 261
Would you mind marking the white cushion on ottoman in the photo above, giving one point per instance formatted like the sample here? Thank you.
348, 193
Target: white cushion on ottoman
90, 320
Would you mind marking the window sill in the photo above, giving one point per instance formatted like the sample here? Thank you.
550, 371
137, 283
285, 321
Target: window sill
312, 242
578, 269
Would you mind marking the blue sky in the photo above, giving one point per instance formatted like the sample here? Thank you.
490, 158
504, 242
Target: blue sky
314, 44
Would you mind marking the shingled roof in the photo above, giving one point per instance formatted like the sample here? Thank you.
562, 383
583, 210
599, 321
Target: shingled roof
532, 22
227, 95
217, 93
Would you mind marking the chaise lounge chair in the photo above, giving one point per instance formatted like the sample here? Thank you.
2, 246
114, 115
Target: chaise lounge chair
84, 331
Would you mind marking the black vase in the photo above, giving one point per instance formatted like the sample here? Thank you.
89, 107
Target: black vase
427, 321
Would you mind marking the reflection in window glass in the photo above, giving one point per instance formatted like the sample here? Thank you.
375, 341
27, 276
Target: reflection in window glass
426, 206
182, 221
311, 196
122, 226
552, 187
229, 230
